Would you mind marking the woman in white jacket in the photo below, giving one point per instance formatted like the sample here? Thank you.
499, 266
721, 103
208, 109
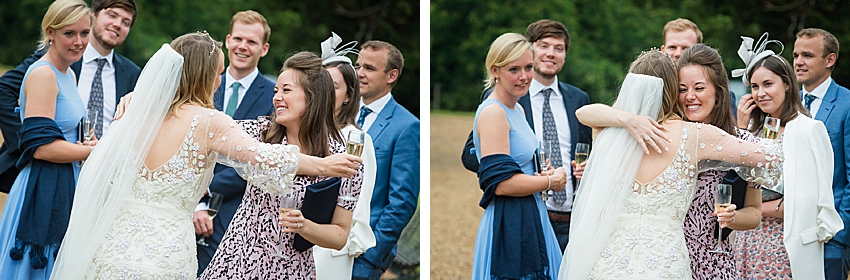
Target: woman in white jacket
790, 239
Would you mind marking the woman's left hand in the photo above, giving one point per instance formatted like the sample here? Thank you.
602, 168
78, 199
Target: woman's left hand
293, 221
727, 217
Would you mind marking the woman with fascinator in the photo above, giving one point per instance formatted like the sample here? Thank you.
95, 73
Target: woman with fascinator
789, 241
703, 91
630, 207
132, 214
331, 263
260, 242
515, 239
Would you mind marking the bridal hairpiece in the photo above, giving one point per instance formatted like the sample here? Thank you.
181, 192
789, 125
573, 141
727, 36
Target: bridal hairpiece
751, 54
333, 52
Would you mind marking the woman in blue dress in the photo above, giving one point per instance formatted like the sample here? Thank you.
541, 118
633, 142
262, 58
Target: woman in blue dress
515, 239
39, 204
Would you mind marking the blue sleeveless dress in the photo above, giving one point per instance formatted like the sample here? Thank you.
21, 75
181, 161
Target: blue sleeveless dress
523, 144
69, 111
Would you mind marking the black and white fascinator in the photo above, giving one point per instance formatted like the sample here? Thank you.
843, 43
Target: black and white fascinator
333, 52
751, 54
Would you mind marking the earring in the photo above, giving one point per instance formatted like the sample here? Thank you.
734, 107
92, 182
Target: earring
497, 80
345, 102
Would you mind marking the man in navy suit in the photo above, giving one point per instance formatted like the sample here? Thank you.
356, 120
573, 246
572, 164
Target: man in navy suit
395, 134
815, 54
243, 94
112, 22
551, 41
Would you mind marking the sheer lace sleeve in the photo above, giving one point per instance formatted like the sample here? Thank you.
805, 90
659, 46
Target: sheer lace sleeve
271, 167
760, 162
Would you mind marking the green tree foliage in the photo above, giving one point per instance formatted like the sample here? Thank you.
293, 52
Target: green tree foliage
296, 26
607, 35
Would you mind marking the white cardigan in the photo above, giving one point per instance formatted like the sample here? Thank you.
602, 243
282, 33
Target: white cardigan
810, 216
332, 264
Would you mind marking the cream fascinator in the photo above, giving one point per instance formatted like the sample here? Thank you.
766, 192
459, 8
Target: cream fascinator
333, 52
751, 54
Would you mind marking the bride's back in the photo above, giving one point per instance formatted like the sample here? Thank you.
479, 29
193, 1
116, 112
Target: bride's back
170, 136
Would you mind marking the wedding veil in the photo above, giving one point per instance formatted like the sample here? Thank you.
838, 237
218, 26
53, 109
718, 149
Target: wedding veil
108, 173
608, 178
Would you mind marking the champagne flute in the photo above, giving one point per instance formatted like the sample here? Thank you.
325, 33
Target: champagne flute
212, 209
722, 200
544, 154
354, 146
582, 152
287, 204
89, 123
771, 128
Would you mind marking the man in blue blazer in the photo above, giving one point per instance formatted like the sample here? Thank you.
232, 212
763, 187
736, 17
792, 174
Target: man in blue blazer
112, 22
395, 134
815, 54
243, 94
551, 41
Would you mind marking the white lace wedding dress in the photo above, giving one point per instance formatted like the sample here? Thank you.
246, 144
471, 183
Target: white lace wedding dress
152, 236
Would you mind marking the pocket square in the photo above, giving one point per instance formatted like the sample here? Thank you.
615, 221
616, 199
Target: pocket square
318, 206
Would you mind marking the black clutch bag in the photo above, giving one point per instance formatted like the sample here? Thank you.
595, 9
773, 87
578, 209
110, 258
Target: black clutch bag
318, 206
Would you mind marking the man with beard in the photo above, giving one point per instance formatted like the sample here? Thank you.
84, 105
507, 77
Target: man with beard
550, 108
103, 77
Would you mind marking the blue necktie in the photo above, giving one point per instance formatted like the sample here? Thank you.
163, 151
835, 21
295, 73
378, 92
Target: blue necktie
96, 96
807, 101
234, 100
550, 133
364, 111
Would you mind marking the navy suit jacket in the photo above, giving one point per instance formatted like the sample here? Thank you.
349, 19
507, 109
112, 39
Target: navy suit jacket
834, 112
126, 74
574, 98
256, 102
395, 134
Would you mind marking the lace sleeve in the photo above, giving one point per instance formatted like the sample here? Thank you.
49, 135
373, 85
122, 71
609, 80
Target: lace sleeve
760, 162
271, 167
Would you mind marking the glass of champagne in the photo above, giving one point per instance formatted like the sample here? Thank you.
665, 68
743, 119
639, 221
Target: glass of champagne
544, 154
771, 128
722, 200
212, 209
354, 146
287, 204
582, 152
89, 123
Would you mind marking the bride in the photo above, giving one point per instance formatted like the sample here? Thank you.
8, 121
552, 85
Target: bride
132, 214
630, 207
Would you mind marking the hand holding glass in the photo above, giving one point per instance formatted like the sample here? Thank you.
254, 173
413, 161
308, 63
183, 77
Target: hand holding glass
354, 146
287, 204
722, 199
544, 154
212, 209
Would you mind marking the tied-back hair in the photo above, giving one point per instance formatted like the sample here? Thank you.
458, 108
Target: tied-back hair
791, 105
127, 5
348, 112
505, 49
201, 55
708, 59
317, 120
659, 64
60, 14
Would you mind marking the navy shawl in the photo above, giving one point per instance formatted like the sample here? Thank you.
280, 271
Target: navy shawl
49, 193
519, 248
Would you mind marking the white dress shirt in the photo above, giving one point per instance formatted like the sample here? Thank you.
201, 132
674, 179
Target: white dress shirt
376, 107
819, 92
559, 112
245, 85
87, 71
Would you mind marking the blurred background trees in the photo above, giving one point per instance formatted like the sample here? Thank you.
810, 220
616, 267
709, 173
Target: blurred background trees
296, 26
607, 35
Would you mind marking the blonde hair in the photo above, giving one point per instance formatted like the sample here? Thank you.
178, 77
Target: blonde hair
201, 55
505, 49
680, 25
252, 17
659, 64
61, 14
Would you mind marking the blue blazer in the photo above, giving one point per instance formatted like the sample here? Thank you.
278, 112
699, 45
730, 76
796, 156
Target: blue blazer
126, 74
574, 98
256, 102
395, 134
834, 112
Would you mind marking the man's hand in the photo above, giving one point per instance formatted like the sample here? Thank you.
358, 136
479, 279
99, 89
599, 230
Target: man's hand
203, 223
